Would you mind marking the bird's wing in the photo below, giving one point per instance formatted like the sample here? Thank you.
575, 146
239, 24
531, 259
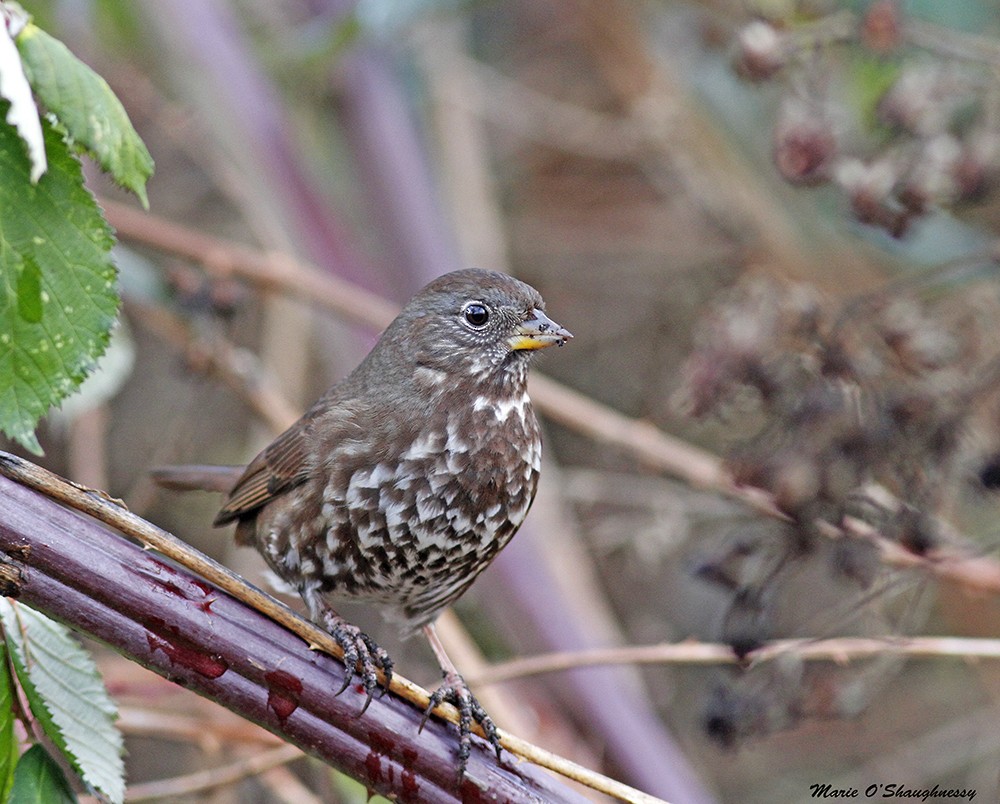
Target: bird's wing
281, 466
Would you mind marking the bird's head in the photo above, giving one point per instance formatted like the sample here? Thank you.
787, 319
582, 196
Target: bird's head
477, 323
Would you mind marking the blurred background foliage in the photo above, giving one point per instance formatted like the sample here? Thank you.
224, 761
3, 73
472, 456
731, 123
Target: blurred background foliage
737, 191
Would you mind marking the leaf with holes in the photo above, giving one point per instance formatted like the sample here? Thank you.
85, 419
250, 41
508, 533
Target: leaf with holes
14, 87
66, 696
58, 286
84, 104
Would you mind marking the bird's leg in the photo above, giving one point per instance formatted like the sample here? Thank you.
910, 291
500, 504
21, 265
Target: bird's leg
456, 691
362, 655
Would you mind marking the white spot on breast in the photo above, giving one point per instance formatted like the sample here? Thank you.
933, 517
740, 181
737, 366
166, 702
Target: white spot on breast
503, 408
429, 507
490, 517
460, 522
455, 442
355, 497
422, 447
425, 375
366, 479
395, 516
534, 457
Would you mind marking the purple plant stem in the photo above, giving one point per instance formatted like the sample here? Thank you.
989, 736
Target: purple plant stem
91, 578
204, 40
388, 150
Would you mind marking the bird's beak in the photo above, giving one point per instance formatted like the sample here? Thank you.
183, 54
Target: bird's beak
538, 332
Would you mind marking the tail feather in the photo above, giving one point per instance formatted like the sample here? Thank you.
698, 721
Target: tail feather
197, 478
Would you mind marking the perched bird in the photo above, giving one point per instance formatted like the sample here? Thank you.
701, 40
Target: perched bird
404, 480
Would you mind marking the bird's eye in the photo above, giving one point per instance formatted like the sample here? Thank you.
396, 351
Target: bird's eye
476, 314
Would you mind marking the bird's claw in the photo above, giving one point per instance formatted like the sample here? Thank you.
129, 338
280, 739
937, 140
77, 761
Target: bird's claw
456, 691
362, 655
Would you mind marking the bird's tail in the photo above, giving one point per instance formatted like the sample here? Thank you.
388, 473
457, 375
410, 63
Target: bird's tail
197, 478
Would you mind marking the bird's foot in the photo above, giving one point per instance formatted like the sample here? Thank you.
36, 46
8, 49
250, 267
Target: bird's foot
455, 691
362, 655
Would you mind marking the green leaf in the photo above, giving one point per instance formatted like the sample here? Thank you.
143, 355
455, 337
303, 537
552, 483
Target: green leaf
84, 104
29, 291
8, 743
39, 780
66, 696
58, 291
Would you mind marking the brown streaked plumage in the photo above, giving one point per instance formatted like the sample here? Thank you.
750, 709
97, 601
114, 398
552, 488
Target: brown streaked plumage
403, 481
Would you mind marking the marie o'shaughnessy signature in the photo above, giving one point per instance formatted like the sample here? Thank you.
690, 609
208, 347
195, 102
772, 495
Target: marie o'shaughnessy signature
891, 791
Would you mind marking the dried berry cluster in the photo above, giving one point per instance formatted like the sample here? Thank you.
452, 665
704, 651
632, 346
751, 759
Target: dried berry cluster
930, 137
882, 393
852, 419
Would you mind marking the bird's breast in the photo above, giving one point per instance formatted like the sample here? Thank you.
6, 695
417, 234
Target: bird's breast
419, 523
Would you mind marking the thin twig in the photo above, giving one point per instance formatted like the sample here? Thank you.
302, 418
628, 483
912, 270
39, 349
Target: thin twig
539, 117
205, 780
950, 43
284, 786
150, 722
266, 270
838, 649
239, 370
945, 42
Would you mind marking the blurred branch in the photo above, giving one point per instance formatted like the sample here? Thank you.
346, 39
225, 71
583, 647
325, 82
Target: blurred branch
948, 43
211, 62
206, 780
206, 725
194, 727
951, 43
390, 157
268, 271
76, 571
536, 116
641, 439
839, 650
239, 369
287, 788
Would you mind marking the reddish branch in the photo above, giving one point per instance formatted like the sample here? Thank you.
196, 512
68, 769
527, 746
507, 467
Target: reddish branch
169, 620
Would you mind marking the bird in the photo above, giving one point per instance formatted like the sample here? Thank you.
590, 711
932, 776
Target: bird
403, 481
